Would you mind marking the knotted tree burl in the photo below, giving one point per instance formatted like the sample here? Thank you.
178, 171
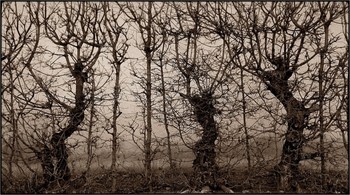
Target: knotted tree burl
204, 165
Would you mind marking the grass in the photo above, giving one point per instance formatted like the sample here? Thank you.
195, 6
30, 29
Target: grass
233, 173
165, 181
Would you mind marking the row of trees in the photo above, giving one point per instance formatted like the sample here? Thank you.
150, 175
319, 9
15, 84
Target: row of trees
189, 66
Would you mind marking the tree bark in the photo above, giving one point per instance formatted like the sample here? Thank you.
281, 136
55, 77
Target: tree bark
116, 114
13, 122
148, 141
321, 96
245, 122
47, 166
204, 165
91, 124
165, 115
76, 117
288, 168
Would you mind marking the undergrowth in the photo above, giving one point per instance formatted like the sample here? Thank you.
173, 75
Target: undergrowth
166, 181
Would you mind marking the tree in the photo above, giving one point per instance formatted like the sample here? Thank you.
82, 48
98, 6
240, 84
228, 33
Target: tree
277, 59
226, 79
325, 72
81, 43
204, 71
20, 35
117, 42
143, 18
345, 95
161, 63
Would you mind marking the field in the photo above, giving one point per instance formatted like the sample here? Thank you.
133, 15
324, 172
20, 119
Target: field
234, 173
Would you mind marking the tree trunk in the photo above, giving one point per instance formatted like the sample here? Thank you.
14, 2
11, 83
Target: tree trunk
288, 168
91, 124
13, 125
245, 123
165, 115
116, 114
204, 165
148, 51
47, 166
76, 117
321, 96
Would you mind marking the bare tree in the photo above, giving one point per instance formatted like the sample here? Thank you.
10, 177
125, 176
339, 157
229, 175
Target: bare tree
327, 75
277, 55
341, 123
81, 44
89, 139
226, 79
117, 42
162, 78
143, 18
20, 22
204, 71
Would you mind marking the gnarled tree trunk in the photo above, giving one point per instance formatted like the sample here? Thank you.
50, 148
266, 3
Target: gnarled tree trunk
288, 168
204, 165
59, 149
76, 117
44, 155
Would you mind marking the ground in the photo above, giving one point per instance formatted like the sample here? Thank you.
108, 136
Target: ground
233, 171
240, 181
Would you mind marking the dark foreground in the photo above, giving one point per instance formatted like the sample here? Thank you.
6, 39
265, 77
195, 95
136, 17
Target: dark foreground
240, 181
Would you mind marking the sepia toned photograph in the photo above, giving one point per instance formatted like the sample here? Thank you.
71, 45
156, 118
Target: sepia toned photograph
174, 97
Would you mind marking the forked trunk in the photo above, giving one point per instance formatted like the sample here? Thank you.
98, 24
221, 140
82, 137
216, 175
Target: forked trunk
287, 171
